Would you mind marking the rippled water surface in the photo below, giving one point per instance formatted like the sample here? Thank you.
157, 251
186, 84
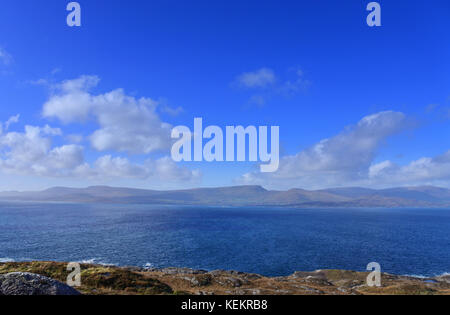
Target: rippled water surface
265, 241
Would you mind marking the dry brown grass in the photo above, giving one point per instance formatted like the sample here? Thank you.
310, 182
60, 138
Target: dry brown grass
104, 280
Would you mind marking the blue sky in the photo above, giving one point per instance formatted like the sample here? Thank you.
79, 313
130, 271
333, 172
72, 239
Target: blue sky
355, 105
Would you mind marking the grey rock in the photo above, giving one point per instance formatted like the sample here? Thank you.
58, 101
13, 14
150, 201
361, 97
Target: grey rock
181, 271
308, 289
221, 272
315, 277
255, 291
444, 278
234, 282
193, 281
284, 292
199, 280
318, 281
318, 274
23, 283
218, 272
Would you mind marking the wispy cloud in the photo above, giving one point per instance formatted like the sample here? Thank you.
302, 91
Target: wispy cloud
5, 57
294, 85
261, 78
440, 111
12, 120
265, 84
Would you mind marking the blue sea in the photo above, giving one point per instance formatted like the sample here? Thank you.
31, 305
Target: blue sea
267, 241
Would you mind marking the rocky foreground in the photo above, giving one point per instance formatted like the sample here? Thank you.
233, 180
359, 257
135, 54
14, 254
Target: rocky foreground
48, 278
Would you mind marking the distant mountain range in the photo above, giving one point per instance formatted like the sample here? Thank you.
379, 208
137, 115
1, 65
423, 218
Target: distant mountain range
426, 196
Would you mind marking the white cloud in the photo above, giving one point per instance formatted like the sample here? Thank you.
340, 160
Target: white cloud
268, 84
108, 167
71, 101
74, 138
377, 169
66, 157
258, 100
257, 79
342, 160
30, 153
166, 168
299, 83
172, 111
5, 57
8, 123
424, 171
163, 169
11, 120
126, 124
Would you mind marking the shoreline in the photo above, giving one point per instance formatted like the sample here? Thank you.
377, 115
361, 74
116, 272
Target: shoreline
305, 206
149, 267
112, 280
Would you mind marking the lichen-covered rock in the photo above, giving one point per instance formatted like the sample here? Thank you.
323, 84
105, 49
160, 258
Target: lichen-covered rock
23, 283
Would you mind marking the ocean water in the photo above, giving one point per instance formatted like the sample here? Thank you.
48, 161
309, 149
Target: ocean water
268, 241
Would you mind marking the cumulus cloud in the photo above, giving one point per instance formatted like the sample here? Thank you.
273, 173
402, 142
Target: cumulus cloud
164, 169
71, 101
344, 159
118, 167
424, 171
126, 124
31, 153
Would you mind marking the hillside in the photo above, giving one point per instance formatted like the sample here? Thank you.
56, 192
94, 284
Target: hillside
110, 280
426, 196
